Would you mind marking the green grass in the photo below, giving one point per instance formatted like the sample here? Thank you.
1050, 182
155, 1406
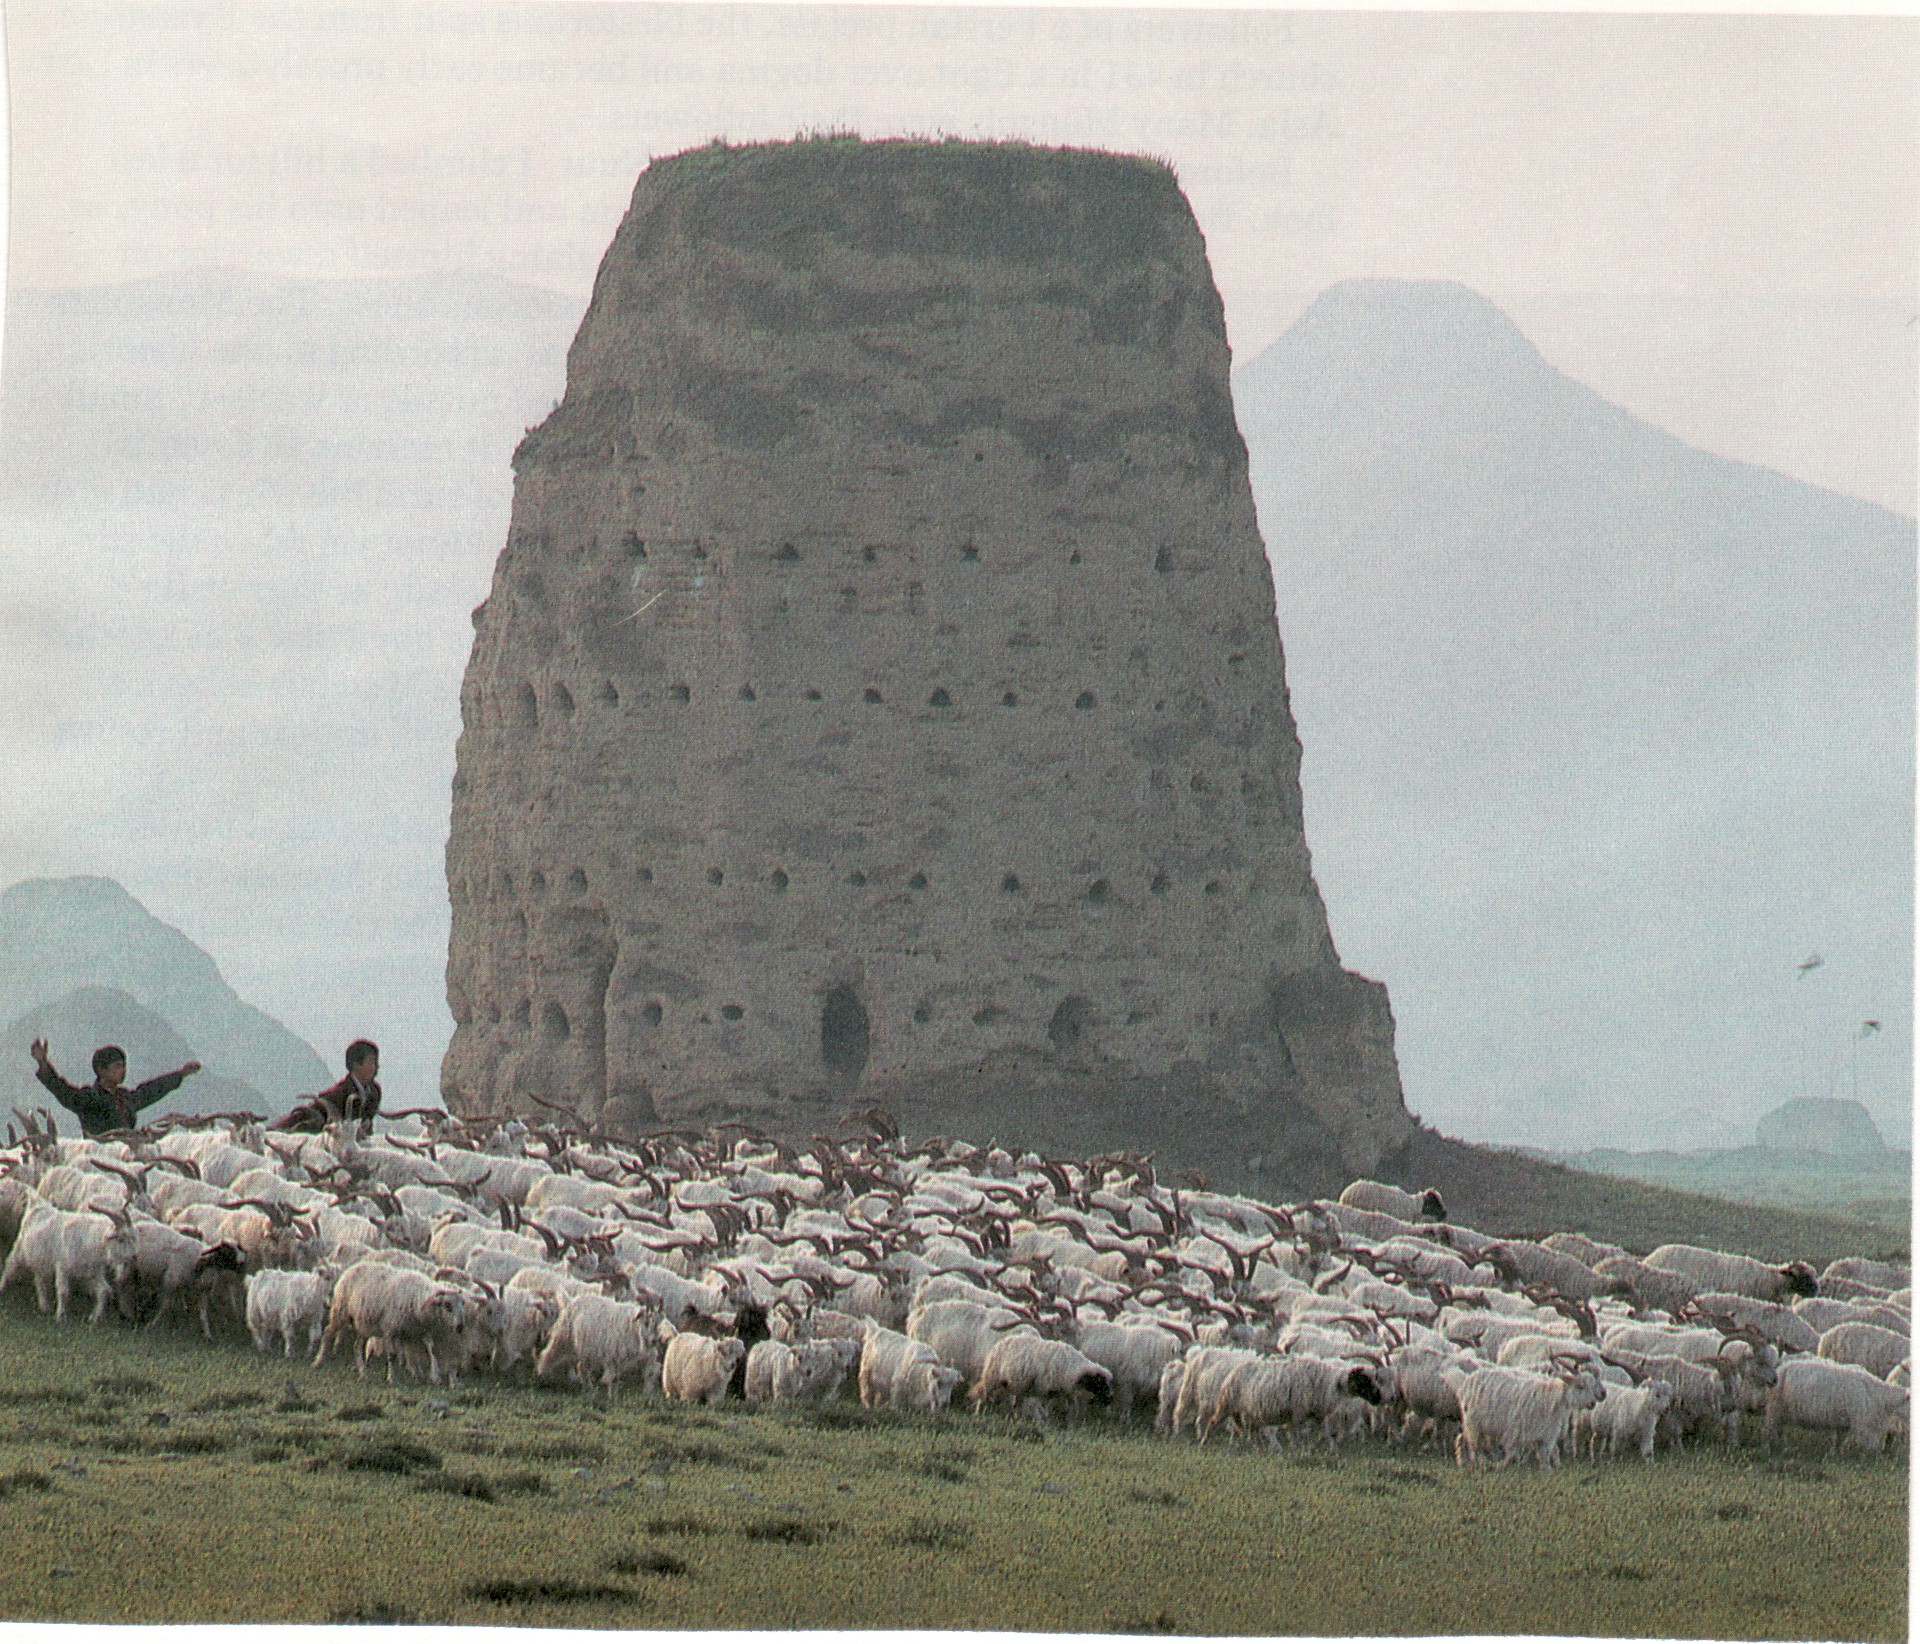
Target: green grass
537, 1507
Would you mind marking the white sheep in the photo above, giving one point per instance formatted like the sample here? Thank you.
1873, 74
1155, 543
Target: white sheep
1781, 1325
63, 1250
527, 1318
598, 1339
962, 1333
1387, 1200
283, 1302
377, 1301
1031, 1367
903, 1374
1742, 1275
1294, 1391
809, 1371
1513, 1413
1842, 1399
1135, 1351
1624, 1415
1875, 1350
697, 1369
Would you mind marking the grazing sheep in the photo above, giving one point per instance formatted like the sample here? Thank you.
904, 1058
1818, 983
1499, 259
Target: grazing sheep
1296, 1391
697, 1369
168, 1264
401, 1308
1517, 1412
903, 1374
1031, 1367
962, 1333
1624, 1415
65, 1249
811, 1371
282, 1302
1781, 1325
527, 1318
1590, 1252
1860, 1270
1742, 1275
598, 1339
1875, 1350
1650, 1289
1841, 1399
1135, 1354
1387, 1200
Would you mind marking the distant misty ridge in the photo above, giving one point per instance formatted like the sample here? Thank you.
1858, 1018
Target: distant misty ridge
1602, 734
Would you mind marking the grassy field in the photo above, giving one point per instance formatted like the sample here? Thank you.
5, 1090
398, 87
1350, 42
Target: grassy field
153, 1478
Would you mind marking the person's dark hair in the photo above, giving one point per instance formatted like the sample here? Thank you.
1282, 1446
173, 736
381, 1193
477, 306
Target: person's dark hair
359, 1052
106, 1056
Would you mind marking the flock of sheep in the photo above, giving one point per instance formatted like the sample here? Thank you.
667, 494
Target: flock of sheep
729, 1264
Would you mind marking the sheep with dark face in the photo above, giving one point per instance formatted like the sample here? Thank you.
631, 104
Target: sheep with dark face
1298, 1392
1388, 1200
1742, 1275
1022, 1368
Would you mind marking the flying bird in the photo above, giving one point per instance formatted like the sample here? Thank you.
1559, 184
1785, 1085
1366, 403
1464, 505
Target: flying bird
1813, 961
1869, 1028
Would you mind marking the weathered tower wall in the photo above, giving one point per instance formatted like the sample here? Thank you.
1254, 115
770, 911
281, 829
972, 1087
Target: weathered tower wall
880, 697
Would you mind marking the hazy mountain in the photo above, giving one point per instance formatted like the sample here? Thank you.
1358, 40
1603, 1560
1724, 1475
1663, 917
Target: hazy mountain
77, 1023
1603, 734
242, 524
84, 963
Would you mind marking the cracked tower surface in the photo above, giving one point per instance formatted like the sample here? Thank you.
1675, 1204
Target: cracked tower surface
880, 699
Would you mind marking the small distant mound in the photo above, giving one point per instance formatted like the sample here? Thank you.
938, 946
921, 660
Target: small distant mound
1814, 1124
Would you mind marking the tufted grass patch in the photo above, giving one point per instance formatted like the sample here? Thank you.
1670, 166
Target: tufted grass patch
648, 1517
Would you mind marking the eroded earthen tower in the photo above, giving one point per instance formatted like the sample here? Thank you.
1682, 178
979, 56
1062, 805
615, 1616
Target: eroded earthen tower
880, 696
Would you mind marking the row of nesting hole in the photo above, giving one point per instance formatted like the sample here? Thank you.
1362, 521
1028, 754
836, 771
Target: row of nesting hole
609, 693
789, 553
1069, 1024
1096, 891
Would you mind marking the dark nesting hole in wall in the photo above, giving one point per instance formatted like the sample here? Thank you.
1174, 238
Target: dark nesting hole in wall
1214, 887
1074, 557
1010, 884
923, 1012
651, 1013
716, 876
523, 1015
537, 883
644, 875
681, 693
746, 694
1236, 659
869, 553
1097, 891
870, 695
732, 1013
528, 702
1159, 885
608, 693
1072, 1018
1163, 561
917, 882
856, 877
849, 598
787, 550
562, 698
778, 879
811, 694
699, 551
1010, 700
1086, 700
636, 549
987, 1015
493, 1013
939, 699
554, 1024
1197, 782
577, 881
843, 1034
969, 553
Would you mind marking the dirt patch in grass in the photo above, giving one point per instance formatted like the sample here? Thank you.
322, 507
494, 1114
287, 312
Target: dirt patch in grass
377, 1613
397, 1456
646, 1561
473, 1486
42, 1395
126, 1387
940, 1535
25, 1478
681, 1527
550, 1591
792, 1532
228, 1401
360, 1412
1156, 1498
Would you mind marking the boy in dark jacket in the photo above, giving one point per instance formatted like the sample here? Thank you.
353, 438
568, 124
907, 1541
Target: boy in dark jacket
356, 1097
107, 1103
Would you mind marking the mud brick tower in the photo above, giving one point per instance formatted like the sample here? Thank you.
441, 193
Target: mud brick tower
880, 699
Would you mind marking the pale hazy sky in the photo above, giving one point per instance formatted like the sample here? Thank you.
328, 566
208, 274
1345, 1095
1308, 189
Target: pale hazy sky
1708, 219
